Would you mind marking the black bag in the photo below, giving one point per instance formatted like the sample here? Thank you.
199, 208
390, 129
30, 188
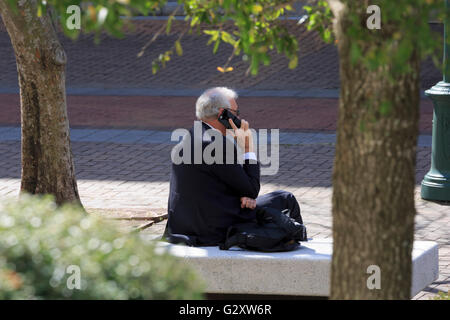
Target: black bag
272, 231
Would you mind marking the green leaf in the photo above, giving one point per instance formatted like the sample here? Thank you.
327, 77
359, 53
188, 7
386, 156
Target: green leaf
254, 65
213, 33
178, 48
257, 8
293, 62
39, 10
155, 67
195, 21
169, 24
216, 46
326, 35
266, 60
228, 38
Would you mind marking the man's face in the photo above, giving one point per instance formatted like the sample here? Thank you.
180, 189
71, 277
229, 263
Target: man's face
233, 108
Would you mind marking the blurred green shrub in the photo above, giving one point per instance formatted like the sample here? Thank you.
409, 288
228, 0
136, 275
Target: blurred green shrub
45, 249
443, 296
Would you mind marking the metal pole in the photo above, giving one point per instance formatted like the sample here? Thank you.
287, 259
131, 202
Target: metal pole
446, 45
436, 183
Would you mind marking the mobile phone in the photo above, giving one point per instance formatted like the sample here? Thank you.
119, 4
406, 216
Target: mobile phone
225, 115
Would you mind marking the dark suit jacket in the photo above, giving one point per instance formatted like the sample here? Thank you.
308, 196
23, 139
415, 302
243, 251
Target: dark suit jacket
204, 199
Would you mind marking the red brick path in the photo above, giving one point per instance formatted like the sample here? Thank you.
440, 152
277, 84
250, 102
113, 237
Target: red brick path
165, 113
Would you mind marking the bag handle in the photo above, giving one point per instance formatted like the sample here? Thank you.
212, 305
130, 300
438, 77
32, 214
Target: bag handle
294, 229
237, 239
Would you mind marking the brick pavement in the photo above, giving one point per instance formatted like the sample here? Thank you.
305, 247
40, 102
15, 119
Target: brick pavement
133, 177
113, 64
168, 113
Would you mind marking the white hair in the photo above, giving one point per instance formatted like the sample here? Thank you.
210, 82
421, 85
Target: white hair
209, 103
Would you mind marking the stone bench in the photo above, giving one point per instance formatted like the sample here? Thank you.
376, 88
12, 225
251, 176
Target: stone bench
303, 272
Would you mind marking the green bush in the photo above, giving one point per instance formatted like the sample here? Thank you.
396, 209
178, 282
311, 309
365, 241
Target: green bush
443, 296
43, 248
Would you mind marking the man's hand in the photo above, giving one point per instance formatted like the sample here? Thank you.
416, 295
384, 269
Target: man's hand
248, 203
243, 135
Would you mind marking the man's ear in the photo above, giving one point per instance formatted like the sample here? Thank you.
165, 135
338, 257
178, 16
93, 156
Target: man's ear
220, 112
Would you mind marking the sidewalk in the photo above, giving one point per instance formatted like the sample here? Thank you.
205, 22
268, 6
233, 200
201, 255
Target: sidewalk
124, 172
169, 113
113, 65
121, 146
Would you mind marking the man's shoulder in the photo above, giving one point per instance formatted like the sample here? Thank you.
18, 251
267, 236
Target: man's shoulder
203, 133
206, 146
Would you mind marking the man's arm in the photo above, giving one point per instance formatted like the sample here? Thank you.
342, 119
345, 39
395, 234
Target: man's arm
243, 179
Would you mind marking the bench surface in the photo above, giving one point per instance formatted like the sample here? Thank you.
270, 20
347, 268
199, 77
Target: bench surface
303, 272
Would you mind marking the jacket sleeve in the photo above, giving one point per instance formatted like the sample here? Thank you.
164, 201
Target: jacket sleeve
243, 179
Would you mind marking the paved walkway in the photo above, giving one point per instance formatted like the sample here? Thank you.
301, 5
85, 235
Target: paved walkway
112, 66
127, 171
155, 136
168, 112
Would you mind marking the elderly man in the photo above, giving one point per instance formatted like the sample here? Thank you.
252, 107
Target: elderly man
207, 198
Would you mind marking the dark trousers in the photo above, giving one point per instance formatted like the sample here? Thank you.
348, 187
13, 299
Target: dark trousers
281, 200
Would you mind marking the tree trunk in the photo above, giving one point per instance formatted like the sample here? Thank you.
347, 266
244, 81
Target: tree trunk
373, 175
47, 161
